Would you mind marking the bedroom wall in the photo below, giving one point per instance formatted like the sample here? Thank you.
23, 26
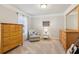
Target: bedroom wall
7, 15
56, 23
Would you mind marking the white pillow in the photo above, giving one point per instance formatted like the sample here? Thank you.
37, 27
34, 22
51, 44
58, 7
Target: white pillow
72, 49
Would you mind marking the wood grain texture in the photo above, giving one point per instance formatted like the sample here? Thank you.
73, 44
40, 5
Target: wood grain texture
78, 16
68, 37
11, 35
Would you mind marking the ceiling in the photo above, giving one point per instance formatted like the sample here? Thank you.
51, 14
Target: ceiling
34, 9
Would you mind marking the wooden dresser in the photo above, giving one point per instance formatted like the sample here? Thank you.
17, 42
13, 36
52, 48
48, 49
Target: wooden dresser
11, 35
67, 37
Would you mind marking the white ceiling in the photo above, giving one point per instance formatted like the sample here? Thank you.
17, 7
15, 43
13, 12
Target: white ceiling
34, 9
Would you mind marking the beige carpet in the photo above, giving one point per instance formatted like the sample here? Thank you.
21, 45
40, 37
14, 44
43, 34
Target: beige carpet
52, 46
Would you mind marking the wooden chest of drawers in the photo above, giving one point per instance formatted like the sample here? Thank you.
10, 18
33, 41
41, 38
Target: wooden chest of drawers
11, 35
68, 37
63, 39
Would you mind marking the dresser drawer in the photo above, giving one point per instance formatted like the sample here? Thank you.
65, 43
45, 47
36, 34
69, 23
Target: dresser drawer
8, 47
6, 41
18, 28
5, 34
11, 36
9, 41
12, 33
5, 28
12, 28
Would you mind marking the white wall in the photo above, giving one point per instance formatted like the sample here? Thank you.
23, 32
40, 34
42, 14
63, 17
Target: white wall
56, 23
70, 8
7, 15
71, 20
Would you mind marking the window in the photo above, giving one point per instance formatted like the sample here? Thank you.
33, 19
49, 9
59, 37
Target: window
23, 20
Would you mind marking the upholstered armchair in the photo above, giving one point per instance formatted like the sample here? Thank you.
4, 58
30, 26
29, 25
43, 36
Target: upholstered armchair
34, 35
